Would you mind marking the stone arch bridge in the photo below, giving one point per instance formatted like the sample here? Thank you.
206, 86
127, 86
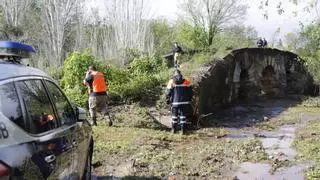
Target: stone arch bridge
247, 74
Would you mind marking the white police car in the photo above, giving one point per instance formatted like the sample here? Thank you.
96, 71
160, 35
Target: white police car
41, 135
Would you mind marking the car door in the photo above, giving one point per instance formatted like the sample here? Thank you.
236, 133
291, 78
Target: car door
81, 130
52, 146
16, 153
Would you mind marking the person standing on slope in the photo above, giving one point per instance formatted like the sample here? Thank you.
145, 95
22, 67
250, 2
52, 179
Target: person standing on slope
177, 52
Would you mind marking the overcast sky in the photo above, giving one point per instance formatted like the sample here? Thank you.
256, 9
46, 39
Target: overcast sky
266, 28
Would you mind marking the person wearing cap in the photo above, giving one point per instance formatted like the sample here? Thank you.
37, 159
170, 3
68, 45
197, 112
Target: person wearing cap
179, 95
260, 43
265, 42
177, 51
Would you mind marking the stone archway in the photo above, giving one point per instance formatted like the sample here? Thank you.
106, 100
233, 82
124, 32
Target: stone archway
247, 73
243, 87
269, 83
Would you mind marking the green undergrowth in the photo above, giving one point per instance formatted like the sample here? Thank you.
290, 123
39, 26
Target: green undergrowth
195, 63
307, 142
311, 102
142, 80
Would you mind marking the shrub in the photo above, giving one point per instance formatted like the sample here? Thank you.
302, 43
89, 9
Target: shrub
74, 69
145, 79
142, 79
147, 65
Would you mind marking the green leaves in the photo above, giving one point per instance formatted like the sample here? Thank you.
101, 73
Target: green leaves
139, 81
74, 70
147, 65
191, 37
307, 44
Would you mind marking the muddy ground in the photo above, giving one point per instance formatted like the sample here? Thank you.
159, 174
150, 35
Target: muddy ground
246, 141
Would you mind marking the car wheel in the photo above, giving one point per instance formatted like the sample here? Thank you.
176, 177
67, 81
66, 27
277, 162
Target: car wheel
87, 169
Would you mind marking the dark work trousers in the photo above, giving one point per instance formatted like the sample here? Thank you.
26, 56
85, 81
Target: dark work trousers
180, 111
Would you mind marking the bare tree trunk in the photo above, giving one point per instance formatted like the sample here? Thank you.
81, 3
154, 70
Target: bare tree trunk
57, 15
210, 15
130, 27
14, 12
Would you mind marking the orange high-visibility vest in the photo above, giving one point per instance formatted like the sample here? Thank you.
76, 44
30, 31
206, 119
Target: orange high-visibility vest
98, 84
43, 122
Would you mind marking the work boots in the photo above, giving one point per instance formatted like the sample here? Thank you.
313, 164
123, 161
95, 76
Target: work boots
109, 119
94, 121
110, 123
182, 129
173, 127
182, 132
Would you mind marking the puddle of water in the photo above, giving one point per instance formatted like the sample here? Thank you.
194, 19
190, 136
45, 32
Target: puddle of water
307, 118
237, 136
279, 142
258, 171
274, 111
240, 108
240, 134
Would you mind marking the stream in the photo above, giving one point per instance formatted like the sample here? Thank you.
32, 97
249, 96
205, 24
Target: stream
277, 145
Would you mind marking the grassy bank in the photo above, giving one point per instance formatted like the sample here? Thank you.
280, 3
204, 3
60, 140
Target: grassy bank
307, 142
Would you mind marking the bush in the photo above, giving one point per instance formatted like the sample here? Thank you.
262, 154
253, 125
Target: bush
74, 69
142, 79
147, 65
313, 65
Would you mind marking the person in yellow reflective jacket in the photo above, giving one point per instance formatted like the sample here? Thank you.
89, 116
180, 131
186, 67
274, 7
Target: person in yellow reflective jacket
96, 82
177, 53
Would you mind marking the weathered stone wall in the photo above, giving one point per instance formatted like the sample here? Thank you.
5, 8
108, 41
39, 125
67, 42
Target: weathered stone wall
249, 73
270, 72
211, 88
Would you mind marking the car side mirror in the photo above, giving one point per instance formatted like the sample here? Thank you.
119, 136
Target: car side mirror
81, 114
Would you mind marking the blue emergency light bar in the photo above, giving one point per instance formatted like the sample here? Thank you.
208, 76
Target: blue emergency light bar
15, 49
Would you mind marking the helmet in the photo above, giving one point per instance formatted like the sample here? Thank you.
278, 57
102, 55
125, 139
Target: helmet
176, 72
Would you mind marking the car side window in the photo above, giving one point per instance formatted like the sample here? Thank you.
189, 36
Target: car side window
10, 105
65, 110
38, 106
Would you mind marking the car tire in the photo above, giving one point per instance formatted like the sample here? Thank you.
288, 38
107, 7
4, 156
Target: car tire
88, 167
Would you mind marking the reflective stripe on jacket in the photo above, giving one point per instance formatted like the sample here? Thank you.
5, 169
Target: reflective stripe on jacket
98, 84
179, 94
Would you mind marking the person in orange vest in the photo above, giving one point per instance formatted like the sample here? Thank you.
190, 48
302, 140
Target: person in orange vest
96, 82
45, 122
179, 95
